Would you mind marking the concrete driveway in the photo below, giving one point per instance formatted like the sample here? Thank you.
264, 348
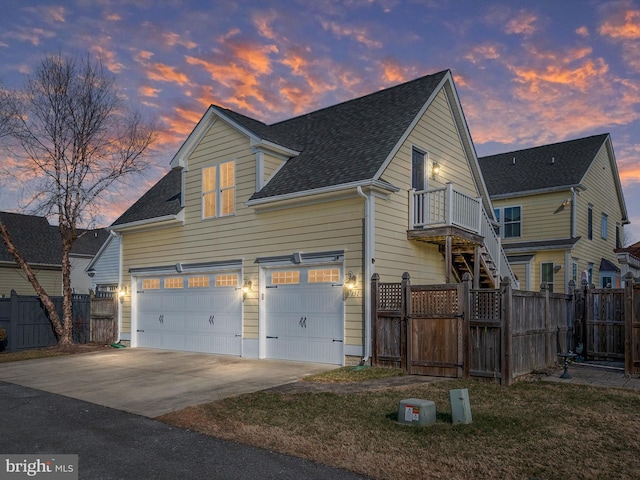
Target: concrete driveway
153, 382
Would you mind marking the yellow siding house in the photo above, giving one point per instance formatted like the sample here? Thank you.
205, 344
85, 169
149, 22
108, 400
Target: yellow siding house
561, 212
262, 238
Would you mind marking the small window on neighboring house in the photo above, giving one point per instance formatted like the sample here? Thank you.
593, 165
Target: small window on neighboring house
546, 274
574, 271
590, 222
604, 226
606, 281
218, 190
510, 221
418, 170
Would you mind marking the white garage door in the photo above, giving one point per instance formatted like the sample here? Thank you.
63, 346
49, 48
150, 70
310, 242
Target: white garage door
305, 314
195, 313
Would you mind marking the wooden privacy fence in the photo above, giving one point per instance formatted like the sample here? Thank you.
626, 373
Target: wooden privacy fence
28, 326
104, 315
455, 331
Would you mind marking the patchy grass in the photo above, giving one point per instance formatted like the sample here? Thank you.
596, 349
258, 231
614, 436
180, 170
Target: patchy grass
354, 374
529, 430
49, 352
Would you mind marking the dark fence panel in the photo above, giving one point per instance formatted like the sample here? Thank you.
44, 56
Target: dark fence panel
28, 326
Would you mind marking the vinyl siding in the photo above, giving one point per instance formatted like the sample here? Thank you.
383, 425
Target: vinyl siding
543, 216
601, 193
12, 278
335, 225
435, 133
106, 266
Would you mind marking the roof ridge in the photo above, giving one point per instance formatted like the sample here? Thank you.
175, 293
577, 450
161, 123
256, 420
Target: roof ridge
546, 145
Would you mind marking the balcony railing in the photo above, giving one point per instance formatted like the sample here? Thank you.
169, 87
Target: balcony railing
447, 207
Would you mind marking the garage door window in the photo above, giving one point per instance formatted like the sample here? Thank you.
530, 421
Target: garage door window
227, 280
324, 275
173, 282
199, 282
151, 283
289, 277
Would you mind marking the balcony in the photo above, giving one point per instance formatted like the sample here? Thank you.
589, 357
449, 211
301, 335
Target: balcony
446, 216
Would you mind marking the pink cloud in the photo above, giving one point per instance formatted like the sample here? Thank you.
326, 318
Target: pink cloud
485, 51
172, 39
165, 73
522, 24
148, 91
108, 58
360, 34
583, 31
625, 26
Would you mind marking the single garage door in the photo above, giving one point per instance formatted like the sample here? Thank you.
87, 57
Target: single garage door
195, 313
305, 314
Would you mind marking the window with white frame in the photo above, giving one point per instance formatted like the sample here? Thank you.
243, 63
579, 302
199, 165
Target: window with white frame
219, 190
604, 226
546, 274
510, 221
419, 169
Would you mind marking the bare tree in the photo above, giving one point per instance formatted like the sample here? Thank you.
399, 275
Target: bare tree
74, 138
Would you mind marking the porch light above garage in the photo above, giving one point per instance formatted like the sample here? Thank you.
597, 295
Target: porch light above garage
350, 281
247, 286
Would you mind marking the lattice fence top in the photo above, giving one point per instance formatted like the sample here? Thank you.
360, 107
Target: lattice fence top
389, 297
485, 305
435, 302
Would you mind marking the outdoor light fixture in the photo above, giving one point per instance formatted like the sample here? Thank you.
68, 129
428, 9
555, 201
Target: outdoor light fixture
121, 293
350, 281
246, 288
435, 170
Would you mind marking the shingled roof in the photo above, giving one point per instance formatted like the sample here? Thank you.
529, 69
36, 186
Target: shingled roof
163, 199
39, 242
338, 145
551, 166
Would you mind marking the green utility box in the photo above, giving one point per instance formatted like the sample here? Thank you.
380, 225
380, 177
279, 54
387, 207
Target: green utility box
460, 406
414, 411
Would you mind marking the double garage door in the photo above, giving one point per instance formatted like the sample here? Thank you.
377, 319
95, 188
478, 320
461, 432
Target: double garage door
195, 313
305, 314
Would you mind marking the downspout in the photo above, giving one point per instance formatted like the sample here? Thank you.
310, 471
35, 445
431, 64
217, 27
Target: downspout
119, 236
574, 210
369, 249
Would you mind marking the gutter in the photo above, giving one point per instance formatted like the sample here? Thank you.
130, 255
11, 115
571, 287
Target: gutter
368, 267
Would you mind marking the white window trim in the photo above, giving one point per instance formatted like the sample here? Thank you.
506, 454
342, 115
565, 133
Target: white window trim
604, 226
502, 224
552, 282
426, 165
218, 191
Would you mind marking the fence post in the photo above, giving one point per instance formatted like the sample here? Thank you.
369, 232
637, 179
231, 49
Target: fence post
406, 327
570, 317
544, 289
375, 279
466, 324
629, 316
506, 309
14, 318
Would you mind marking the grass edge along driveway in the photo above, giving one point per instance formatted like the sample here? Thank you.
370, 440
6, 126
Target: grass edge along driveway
530, 430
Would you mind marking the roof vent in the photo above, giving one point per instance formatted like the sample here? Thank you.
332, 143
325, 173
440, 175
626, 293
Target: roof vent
513, 162
553, 160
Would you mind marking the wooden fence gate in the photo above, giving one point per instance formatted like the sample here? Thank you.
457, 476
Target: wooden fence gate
436, 330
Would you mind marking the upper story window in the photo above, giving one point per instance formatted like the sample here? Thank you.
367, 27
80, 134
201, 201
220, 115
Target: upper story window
590, 222
604, 226
510, 221
419, 169
219, 190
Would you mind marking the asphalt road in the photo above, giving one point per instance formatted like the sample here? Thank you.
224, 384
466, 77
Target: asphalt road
113, 444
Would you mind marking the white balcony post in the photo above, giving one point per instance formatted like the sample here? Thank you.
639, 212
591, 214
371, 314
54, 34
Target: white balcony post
412, 200
480, 214
449, 204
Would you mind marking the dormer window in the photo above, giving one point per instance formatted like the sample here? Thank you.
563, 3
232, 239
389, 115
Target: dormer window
219, 190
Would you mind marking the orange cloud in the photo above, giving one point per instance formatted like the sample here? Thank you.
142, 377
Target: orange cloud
32, 35
486, 51
143, 56
256, 57
522, 24
578, 77
627, 28
113, 17
147, 91
360, 34
582, 31
172, 39
164, 73
263, 22
108, 58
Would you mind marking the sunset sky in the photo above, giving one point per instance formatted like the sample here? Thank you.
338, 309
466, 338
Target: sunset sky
527, 72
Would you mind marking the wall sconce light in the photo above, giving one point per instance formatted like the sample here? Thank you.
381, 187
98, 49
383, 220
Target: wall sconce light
435, 170
121, 293
349, 283
246, 288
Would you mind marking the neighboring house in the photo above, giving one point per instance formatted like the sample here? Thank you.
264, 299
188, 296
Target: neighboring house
262, 239
39, 243
561, 211
629, 260
104, 268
